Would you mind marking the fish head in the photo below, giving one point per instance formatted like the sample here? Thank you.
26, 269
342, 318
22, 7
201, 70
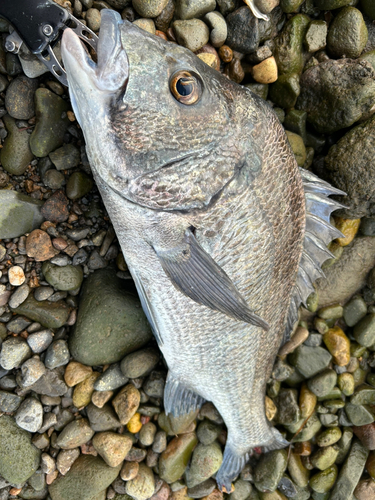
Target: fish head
162, 128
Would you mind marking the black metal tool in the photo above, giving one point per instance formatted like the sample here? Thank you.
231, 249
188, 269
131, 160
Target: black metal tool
39, 24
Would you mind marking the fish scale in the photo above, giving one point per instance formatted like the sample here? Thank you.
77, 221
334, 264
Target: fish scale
222, 232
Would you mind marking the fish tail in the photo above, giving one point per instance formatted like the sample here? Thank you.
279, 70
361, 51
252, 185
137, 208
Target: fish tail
276, 442
232, 464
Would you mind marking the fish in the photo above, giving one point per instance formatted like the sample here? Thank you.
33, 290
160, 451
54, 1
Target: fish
224, 235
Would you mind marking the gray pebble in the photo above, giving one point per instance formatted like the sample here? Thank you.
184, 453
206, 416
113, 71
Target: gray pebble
190, 9
43, 293
18, 324
218, 26
147, 434
208, 432
60, 260
80, 257
32, 370
140, 363
160, 442
192, 34
314, 340
93, 18
111, 379
65, 460
48, 464
8, 382
19, 98
53, 179
206, 487
19, 296
9, 402
77, 234
96, 261
49, 420
66, 157
29, 415
50, 384
40, 341
14, 351
154, 385
57, 354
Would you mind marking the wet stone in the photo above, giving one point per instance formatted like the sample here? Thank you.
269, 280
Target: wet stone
243, 33
32, 370
298, 471
139, 363
310, 429
364, 331
192, 34
47, 313
19, 296
126, 403
15, 154
102, 419
324, 481
143, 485
75, 434
347, 34
55, 209
275, 461
359, 414
19, 98
288, 411
363, 395
19, 214
316, 36
53, 179
39, 341
174, 460
324, 457
285, 91
29, 415
289, 45
63, 278
297, 146
84, 390
310, 360
14, 351
206, 460
9, 402
111, 379
345, 382
57, 354
354, 311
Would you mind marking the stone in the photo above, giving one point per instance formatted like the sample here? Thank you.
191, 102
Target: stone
154, 385
39, 246
19, 296
270, 469
365, 489
298, 472
160, 442
39, 341
55, 209
150, 8
364, 394
189, 9
84, 390
19, 97
192, 34
65, 460
29, 415
111, 379
78, 185
266, 71
51, 122
288, 50
112, 447
57, 354
19, 459
15, 154
143, 485
206, 460
32, 370
332, 4
298, 337
338, 345
64, 278
297, 146
110, 321
364, 331
100, 398
347, 36
288, 411
146, 25
309, 429
346, 84
126, 403
87, 476
9, 402
19, 214
139, 363
354, 310
366, 434
218, 27
358, 414
307, 401
134, 425
47, 313
75, 434
242, 30
14, 351
316, 36
147, 434
50, 384
324, 457
324, 481
285, 91
174, 460
345, 382
310, 360
102, 419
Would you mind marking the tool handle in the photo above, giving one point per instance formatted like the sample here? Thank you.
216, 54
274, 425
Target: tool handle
38, 22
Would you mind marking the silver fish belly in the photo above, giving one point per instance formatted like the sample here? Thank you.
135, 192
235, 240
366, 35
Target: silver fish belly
222, 233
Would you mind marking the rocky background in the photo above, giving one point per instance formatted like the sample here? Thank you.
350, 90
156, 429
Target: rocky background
81, 379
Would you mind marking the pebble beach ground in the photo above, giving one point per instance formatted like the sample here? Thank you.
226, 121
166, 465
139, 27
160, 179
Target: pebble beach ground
81, 377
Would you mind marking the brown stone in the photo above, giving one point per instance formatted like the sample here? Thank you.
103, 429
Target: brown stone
370, 464
83, 391
163, 493
59, 243
366, 433
75, 373
161, 34
266, 71
226, 55
55, 208
112, 447
338, 345
298, 338
39, 246
303, 448
129, 471
100, 398
307, 401
235, 70
365, 489
126, 403
209, 49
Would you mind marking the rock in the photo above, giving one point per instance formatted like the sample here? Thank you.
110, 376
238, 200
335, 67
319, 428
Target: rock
143, 485
19, 214
32, 370
39, 246
84, 390
29, 415
160, 442
19, 296
173, 461
218, 26
316, 36
51, 122
350, 472
324, 481
150, 8
358, 415
19, 459
76, 372
338, 345
206, 460
100, 398
365, 489
63, 277
53, 179
189, 9
78, 185
112, 447
16, 154
309, 429
298, 147
102, 419
65, 460
57, 354
289, 45
146, 25
336, 94
310, 360
154, 385
324, 458
111, 379
140, 363
354, 310
50, 384
285, 91
243, 31
366, 433
367, 227
266, 71
332, 4
19, 98
349, 228
288, 411
192, 34
126, 403
39, 341
364, 331
110, 321
75, 434
87, 476
348, 275
14, 351
270, 470
364, 395
9, 402
345, 382
55, 209
347, 36
47, 313
207, 432
298, 337
147, 434
16, 275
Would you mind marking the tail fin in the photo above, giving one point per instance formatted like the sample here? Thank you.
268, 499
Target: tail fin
231, 466
276, 442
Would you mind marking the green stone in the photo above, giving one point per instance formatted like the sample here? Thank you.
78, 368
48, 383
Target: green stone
110, 322
260, 89
316, 36
48, 314
357, 350
364, 331
295, 121
297, 470
206, 460
331, 312
321, 325
270, 470
351, 472
324, 458
329, 437
19, 459
87, 476
310, 360
290, 6
313, 299
63, 277
174, 460
354, 310
309, 429
323, 383
359, 376
334, 404
15, 154
298, 147
51, 122
371, 379
364, 395
176, 425
332, 4
347, 34
285, 91
358, 414
344, 444
66, 157
368, 7
288, 50
369, 57
295, 379
19, 214
324, 481
78, 185
320, 496
345, 382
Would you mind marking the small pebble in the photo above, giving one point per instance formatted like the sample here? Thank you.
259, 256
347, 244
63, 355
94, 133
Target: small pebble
32, 370
57, 354
112, 447
40, 341
16, 275
29, 415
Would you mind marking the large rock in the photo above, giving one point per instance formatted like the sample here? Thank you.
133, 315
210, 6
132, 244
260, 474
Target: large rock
110, 321
336, 94
15, 154
350, 166
348, 275
19, 459
19, 214
88, 476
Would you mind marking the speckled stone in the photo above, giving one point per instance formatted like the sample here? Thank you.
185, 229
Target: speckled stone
192, 34
75, 434
14, 352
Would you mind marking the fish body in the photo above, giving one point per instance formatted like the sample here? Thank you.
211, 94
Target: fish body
223, 234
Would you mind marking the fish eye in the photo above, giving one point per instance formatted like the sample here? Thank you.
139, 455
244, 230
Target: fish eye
185, 87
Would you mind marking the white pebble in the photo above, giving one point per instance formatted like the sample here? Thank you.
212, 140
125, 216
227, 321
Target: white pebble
16, 276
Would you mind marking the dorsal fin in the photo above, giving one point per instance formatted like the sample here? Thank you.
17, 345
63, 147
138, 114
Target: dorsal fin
319, 232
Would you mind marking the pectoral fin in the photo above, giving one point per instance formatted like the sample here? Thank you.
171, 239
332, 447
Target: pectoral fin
194, 273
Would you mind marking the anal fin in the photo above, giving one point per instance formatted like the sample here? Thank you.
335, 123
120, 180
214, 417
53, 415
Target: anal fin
179, 399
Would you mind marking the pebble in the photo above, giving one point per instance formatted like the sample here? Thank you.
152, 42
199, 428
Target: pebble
9, 402
57, 354
288, 411
19, 97
14, 351
266, 71
338, 345
202, 490
48, 314
139, 363
307, 401
192, 34
316, 36
270, 469
32, 370
310, 360
365, 489
78, 185
29, 415
363, 395
324, 481
19, 214
19, 459
354, 310
149, 8
111, 379
358, 414
289, 45
102, 419
48, 464
190, 9
146, 25
205, 462
147, 434
160, 442
218, 27
364, 331
65, 460
63, 278
207, 432
297, 470
112, 447
126, 403
129, 471
366, 433
15, 154
100, 398
345, 382
50, 384
174, 460
84, 390
87, 476
75, 434
298, 147
39, 341
55, 209
53, 179
285, 91
309, 429
154, 385
19, 296
347, 34
143, 485
243, 31
39, 246
324, 457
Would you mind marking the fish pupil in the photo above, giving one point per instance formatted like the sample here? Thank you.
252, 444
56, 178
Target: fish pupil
184, 86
